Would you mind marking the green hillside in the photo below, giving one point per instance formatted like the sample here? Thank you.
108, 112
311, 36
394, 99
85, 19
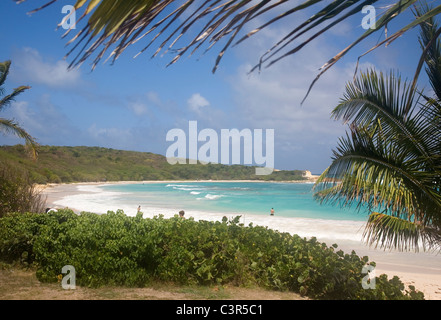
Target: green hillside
57, 164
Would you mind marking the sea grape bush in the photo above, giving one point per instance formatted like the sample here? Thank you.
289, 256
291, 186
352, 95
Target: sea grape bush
115, 249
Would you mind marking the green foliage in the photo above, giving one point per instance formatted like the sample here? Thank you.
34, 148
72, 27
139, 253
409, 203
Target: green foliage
10, 126
17, 192
115, 249
390, 159
18, 232
90, 164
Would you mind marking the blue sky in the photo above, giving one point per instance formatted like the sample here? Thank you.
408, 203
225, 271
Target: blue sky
132, 104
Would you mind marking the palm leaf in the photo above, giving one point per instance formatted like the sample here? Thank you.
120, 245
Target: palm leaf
6, 100
373, 96
4, 71
433, 57
382, 22
11, 127
391, 160
365, 171
392, 232
121, 23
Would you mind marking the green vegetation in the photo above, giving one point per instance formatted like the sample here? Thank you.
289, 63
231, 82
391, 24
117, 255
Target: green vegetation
17, 191
7, 125
89, 164
391, 159
115, 249
119, 25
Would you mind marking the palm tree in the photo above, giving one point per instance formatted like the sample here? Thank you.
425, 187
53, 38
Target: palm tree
7, 125
391, 159
122, 23
390, 162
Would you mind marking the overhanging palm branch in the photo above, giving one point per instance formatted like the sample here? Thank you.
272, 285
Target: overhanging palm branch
9, 126
119, 24
393, 232
391, 160
433, 56
386, 163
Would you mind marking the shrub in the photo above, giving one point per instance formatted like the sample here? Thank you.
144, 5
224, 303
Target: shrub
18, 233
114, 249
17, 191
106, 249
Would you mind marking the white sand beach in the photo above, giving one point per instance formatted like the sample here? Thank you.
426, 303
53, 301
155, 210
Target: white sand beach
422, 269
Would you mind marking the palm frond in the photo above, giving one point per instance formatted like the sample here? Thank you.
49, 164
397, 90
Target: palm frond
6, 100
373, 97
4, 71
122, 23
11, 127
391, 160
391, 232
366, 171
394, 11
429, 38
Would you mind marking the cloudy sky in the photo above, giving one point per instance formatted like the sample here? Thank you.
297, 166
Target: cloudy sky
132, 104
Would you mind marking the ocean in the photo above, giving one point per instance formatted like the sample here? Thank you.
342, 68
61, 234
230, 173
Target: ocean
296, 210
287, 199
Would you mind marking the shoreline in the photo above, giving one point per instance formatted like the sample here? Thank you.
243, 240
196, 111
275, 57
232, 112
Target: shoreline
311, 179
423, 269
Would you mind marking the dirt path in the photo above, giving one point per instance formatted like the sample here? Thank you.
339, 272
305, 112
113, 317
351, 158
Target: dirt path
18, 284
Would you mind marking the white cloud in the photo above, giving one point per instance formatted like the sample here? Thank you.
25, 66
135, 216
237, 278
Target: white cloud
138, 108
197, 102
29, 67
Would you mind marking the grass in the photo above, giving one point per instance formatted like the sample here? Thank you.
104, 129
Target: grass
17, 283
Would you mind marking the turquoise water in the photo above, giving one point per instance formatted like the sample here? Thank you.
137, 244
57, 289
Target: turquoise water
287, 199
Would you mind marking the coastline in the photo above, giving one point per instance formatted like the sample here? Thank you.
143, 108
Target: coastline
423, 270
310, 179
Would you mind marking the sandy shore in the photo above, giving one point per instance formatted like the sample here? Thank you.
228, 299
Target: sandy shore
423, 269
